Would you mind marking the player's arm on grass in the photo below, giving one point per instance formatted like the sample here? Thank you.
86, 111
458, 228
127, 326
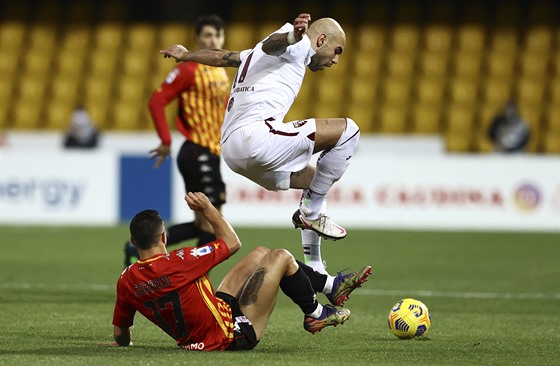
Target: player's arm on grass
122, 336
198, 201
277, 43
209, 56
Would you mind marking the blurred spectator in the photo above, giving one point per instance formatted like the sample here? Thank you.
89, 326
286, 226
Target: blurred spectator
508, 131
82, 133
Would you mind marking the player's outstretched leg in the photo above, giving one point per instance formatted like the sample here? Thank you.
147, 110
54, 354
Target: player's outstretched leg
337, 289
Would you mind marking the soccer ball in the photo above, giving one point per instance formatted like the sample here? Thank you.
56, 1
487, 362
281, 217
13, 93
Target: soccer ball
409, 318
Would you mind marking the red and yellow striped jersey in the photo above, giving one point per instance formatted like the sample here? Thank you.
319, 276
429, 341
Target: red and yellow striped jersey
202, 92
173, 291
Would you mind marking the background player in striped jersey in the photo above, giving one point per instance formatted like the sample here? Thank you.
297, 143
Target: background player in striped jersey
256, 142
173, 291
202, 93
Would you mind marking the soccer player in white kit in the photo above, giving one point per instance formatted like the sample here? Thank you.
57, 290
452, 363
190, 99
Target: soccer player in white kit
257, 144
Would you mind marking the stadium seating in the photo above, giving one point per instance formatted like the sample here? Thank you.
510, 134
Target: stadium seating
444, 68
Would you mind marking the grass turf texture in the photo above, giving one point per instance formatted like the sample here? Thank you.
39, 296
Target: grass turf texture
57, 297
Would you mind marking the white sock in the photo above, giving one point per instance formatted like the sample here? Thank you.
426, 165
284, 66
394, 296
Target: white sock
328, 285
311, 204
317, 312
311, 243
332, 163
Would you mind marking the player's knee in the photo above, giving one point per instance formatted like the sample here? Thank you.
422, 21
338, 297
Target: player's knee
282, 256
352, 128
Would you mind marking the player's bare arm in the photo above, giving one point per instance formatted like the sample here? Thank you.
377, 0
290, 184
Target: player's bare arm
277, 43
198, 201
122, 336
160, 153
210, 57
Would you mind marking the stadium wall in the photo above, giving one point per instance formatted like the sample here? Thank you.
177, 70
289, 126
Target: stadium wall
404, 182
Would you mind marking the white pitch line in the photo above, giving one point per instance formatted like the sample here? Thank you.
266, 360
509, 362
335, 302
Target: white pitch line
361, 291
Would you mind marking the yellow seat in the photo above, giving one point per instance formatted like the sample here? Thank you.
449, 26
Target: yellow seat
97, 90
141, 37
371, 39
39, 66
426, 119
126, 116
70, 64
42, 38
530, 91
99, 112
26, 115
397, 91
8, 62
458, 142
392, 119
331, 110
464, 91
532, 114
467, 64
298, 111
487, 113
504, 40
434, 64
404, 37
58, 115
471, 37
75, 40
131, 89
367, 64
459, 119
3, 116
64, 89
538, 39
496, 91
32, 88
437, 38
500, 65
330, 90
534, 65
400, 64
103, 64
108, 37
12, 34
176, 33
362, 114
240, 36
363, 90
138, 66
430, 90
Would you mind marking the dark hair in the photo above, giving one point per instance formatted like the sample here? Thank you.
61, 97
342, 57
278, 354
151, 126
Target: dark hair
146, 228
211, 20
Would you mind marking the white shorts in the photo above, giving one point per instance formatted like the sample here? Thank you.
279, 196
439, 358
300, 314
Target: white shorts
268, 152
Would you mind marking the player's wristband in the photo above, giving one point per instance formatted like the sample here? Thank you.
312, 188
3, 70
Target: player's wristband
291, 38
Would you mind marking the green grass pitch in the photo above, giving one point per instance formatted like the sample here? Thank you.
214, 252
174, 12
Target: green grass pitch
494, 299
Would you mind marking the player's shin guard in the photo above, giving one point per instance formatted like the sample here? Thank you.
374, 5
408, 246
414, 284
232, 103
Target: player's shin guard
298, 288
333, 162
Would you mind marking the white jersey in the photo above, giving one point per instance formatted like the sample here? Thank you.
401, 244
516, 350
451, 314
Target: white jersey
266, 86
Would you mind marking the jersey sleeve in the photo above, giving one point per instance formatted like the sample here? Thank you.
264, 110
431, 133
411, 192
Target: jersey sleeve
200, 260
123, 315
178, 79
